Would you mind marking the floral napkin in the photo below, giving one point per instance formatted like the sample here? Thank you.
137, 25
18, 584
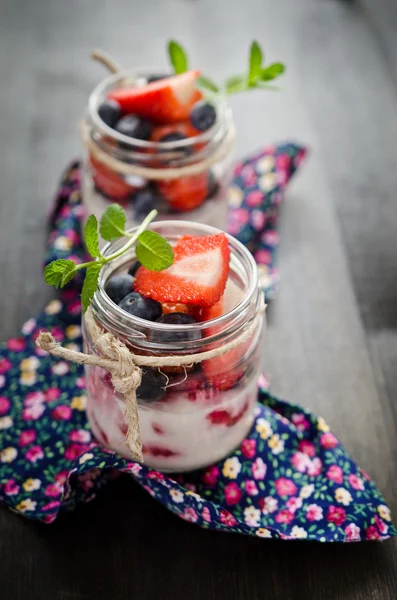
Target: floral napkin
289, 479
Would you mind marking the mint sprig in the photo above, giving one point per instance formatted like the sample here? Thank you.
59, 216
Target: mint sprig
152, 250
257, 76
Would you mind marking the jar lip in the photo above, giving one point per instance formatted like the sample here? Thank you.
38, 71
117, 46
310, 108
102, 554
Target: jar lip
235, 245
98, 93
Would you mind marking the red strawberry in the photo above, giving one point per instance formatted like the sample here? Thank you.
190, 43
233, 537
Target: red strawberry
169, 307
185, 193
111, 184
206, 313
165, 101
197, 276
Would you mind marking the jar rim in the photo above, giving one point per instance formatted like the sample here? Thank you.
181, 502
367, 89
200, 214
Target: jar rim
223, 120
104, 305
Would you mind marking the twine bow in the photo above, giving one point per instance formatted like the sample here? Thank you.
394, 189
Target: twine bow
124, 365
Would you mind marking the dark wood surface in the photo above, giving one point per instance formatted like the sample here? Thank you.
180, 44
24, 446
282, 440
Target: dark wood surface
332, 337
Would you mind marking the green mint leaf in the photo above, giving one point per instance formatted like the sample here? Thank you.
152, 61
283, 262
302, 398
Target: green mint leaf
54, 271
207, 84
255, 62
235, 84
91, 236
68, 273
112, 223
90, 284
153, 251
177, 57
272, 71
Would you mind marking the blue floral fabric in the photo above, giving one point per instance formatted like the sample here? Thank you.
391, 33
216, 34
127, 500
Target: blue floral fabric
289, 479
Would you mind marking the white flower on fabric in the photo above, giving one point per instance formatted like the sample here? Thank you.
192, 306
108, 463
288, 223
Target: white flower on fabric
53, 308
384, 512
276, 444
8, 455
267, 182
29, 364
343, 496
176, 495
231, 467
252, 516
264, 429
63, 243
265, 164
307, 490
235, 196
28, 326
31, 484
73, 331
26, 505
263, 532
60, 368
6, 422
27, 378
270, 505
298, 532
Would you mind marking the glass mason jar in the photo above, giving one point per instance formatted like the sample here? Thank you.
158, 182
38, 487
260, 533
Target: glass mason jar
186, 179
193, 416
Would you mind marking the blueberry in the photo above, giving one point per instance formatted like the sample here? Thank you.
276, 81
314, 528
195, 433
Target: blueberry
134, 267
175, 136
213, 185
202, 116
154, 78
134, 127
118, 287
175, 336
142, 307
153, 385
110, 112
144, 201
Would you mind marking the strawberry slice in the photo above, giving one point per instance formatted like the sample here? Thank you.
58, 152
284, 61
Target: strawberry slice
197, 276
106, 180
186, 193
165, 101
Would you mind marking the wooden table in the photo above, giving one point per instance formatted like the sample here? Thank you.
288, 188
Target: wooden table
332, 338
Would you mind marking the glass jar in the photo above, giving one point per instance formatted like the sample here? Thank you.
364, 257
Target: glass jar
186, 179
193, 416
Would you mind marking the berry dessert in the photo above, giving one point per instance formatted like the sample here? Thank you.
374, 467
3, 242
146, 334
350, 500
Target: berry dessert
164, 142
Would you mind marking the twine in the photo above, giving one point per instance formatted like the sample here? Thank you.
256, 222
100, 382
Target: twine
124, 365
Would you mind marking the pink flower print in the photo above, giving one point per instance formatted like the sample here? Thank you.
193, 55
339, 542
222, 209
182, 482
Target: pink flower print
232, 493
336, 514
294, 503
156, 475
328, 440
33, 412
65, 211
285, 487
268, 505
80, 382
4, 405
300, 461
210, 476
300, 422
307, 448
34, 398
74, 307
352, 533
61, 476
134, 468
315, 467
206, 515
227, 518
284, 516
371, 533
51, 505
72, 235
48, 518
335, 473
53, 489
2, 381
52, 394
34, 454
263, 257
74, 450
254, 198
62, 413
16, 344
283, 162
258, 220
241, 215
271, 238
248, 175
5, 365
365, 475
250, 488
190, 515
356, 482
11, 488
314, 512
80, 435
28, 326
233, 226
27, 437
259, 469
381, 525
57, 334
248, 448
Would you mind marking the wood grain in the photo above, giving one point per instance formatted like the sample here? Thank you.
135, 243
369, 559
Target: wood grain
332, 338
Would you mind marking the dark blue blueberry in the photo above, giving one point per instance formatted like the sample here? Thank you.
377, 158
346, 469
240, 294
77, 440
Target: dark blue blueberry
213, 185
134, 127
175, 136
153, 385
153, 78
175, 336
142, 307
143, 201
119, 286
202, 115
110, 112
134, 267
